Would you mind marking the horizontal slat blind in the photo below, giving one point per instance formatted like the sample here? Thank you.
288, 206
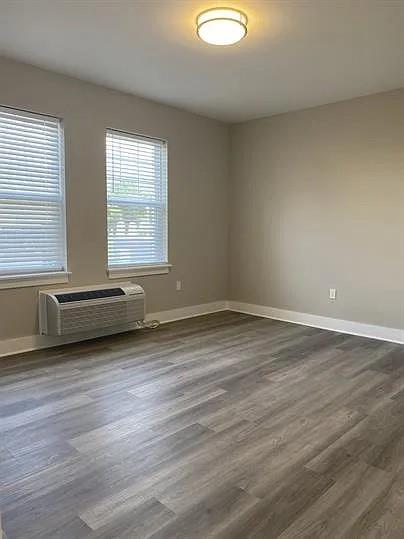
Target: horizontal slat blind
137, 200
32, 238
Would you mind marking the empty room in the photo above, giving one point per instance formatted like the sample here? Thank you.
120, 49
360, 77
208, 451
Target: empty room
201, 269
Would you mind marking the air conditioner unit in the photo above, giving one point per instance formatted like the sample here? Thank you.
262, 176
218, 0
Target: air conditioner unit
75, 310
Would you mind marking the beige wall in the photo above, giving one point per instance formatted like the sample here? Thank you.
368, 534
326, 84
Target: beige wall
198, 189
318, 202
315, 200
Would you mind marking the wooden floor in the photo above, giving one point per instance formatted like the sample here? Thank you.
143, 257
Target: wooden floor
223, 426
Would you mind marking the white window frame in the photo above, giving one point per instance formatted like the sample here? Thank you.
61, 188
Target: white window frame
137, 270
23, 279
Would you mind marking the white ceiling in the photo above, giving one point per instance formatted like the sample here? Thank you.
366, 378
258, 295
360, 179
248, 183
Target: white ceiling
298, 53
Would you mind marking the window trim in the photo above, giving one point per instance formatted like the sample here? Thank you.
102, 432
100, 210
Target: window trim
138, 270
34, 279
22, 279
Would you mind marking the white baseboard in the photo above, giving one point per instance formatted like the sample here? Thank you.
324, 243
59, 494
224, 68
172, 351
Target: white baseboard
37, 342
323, 322
188, 312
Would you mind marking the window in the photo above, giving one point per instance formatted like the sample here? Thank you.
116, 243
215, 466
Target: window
137, 204
32, 214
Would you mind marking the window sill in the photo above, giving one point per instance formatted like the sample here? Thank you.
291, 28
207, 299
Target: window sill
34, 279
138, 271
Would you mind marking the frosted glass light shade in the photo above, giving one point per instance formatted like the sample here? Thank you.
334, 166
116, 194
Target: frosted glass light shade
221, 26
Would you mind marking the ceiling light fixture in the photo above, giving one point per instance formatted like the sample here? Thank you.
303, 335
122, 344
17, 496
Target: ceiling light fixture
221, 26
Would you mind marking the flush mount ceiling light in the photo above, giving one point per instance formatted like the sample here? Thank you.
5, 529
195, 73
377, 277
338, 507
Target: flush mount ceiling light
221, 26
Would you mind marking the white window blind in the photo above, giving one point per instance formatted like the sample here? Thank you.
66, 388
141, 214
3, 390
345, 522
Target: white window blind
32, 236
137, 200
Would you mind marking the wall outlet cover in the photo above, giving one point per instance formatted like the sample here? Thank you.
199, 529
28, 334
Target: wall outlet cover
333, 293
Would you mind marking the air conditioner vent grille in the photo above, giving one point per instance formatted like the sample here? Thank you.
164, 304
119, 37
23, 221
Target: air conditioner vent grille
94, 316
89, 294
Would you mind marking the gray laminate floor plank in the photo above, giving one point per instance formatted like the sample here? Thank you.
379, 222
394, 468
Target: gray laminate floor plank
225, 426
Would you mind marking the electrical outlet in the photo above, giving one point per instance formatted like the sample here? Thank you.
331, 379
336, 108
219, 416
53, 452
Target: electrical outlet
333, 293
179, 285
